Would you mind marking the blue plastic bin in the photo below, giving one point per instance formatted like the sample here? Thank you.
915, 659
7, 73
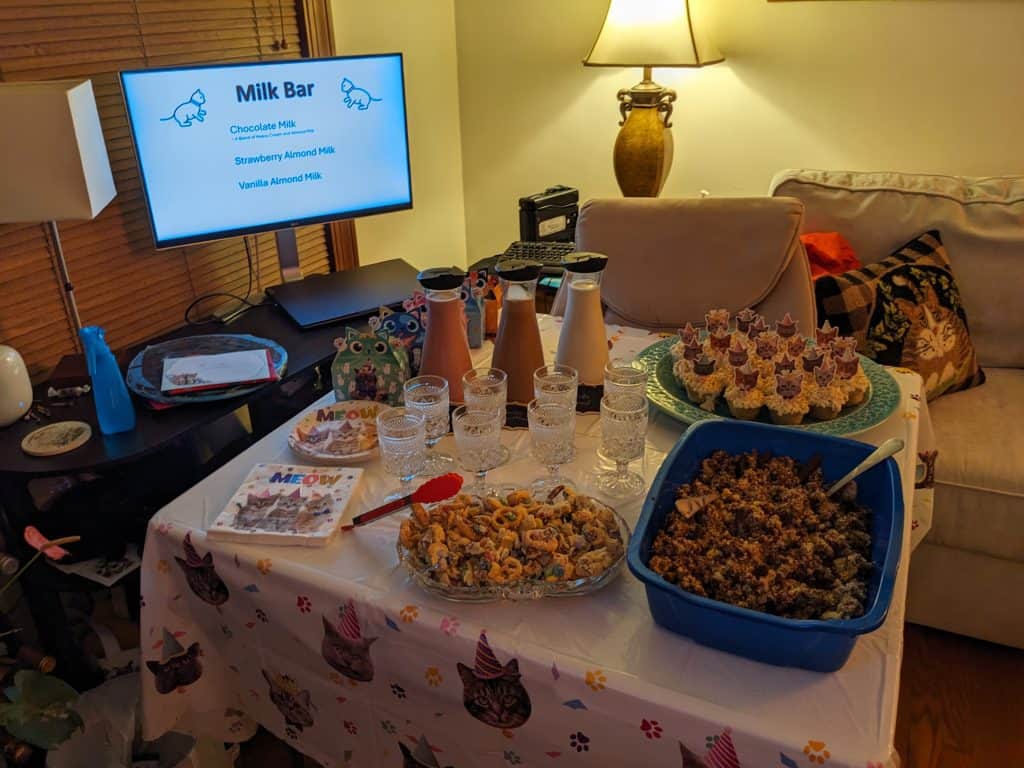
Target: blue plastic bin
823, 646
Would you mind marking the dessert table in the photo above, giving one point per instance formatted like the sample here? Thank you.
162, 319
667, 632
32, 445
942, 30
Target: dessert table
563, 681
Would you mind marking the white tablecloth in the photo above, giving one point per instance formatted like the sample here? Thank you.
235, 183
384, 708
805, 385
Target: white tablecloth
605, 685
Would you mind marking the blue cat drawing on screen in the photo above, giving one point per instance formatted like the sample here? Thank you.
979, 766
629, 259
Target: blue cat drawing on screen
368, 366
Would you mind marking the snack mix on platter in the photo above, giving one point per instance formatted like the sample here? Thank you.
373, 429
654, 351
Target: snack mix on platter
471, 541
753, 367
758, 532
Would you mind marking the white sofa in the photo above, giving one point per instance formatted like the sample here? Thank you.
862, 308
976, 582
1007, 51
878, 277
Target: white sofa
967, 576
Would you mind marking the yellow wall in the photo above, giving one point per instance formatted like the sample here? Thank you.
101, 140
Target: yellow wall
914, 85
433, 232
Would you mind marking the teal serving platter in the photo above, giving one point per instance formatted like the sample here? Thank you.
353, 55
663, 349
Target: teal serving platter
670, 397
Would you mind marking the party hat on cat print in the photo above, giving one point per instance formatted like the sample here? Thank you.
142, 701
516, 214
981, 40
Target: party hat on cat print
486, 665
722, 753
350, 622
170, 647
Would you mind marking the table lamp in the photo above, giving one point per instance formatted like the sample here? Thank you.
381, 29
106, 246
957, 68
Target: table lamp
648, 33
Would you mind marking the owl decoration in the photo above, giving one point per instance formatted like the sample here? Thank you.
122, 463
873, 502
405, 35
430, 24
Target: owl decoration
369, 366
406, 328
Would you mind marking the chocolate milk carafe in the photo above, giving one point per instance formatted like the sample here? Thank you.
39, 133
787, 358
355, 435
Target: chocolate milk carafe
517, 350
583, 343
446, 347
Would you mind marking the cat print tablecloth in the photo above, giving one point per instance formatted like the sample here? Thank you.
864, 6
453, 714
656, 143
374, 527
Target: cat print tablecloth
336, 651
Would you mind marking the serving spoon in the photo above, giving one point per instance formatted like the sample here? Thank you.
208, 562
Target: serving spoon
881, 453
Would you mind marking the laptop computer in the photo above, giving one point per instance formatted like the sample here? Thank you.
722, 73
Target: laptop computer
322, 299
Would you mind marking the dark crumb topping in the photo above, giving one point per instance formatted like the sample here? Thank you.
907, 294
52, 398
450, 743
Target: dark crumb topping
758, 532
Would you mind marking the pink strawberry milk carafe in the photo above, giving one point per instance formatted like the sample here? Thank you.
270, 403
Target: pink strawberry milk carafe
446, 346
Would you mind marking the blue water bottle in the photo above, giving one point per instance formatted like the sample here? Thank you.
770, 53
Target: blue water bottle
113, 403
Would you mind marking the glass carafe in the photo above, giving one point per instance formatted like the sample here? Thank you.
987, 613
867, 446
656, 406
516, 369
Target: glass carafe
446, 347
582, 343
518, 350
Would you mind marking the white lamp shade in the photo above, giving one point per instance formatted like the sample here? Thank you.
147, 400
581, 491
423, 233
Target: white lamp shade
652, 33
52, 153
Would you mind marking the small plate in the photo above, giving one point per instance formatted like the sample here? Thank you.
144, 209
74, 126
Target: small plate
55, 439
669, 396
338, 433
525, 589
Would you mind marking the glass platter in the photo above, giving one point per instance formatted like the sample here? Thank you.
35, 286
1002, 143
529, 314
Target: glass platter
667, 395
524, 589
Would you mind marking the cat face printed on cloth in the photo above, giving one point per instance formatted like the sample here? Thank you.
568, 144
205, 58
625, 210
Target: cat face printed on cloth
420, 756
294, 704
177, 667
345, 649
492, 693
201, 576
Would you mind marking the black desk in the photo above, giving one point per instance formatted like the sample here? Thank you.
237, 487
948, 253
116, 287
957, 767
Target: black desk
156, 429
163, 443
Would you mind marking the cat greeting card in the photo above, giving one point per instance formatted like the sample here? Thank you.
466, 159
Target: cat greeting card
285, 504
228, 369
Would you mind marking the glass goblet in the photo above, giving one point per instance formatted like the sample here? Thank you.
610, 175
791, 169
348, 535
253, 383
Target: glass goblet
428, 395
623, 430
556, 384
478, 439
552, 440
624, 377
487, 389
401, 434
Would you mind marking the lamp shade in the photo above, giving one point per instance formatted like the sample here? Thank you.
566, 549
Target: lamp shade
52, 153
651, 33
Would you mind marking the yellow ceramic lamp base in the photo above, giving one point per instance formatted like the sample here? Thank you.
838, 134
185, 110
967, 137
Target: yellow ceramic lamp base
643, 153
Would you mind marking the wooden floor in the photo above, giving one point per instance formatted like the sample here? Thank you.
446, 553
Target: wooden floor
961, 706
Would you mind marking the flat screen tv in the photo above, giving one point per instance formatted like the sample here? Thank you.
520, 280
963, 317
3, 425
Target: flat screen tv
237, 149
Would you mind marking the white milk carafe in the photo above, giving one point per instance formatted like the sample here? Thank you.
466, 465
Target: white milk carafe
583, 343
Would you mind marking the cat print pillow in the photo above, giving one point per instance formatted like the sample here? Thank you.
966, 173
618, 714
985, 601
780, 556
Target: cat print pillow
906, 311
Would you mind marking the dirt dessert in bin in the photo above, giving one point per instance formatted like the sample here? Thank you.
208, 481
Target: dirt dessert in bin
824, 394
743, 396
787, 404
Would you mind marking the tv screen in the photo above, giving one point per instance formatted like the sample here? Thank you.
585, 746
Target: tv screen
236, 149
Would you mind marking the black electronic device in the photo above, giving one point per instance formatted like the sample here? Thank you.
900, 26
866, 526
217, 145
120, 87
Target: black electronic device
321, 299
549, 254
549, 216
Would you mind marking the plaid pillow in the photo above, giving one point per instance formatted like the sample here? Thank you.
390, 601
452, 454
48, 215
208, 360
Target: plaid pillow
905, 310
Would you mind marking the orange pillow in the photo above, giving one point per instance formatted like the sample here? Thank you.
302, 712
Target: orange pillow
829, 253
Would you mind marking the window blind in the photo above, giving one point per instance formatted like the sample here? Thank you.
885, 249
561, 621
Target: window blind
121, 282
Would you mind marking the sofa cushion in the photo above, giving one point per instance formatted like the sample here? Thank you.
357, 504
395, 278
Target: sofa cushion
979, 472
982, 225
906, 310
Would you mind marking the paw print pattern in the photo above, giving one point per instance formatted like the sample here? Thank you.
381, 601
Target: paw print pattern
303, 603
433, 677
389, 727
264, 565
512, 758
710, 741
596, 679
816, 752
579, 741
262, 615
398, 691
409, 614
450, 626
651, 729
351, 727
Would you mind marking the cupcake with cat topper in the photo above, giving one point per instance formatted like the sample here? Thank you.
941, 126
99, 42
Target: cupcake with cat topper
744, 318
811, 358
756, 328
718, 343
717, 320
687, 336
795, 346
737, 355
787, 327
787, 404
766, 350
704, 381
743, 396
851, 377
824, 394
825, 335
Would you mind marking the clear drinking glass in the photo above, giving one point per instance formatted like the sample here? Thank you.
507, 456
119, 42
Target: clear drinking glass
623, 429
402, 435
553, 440
478, 439
624, 377
556, 384
428, 395
487, 389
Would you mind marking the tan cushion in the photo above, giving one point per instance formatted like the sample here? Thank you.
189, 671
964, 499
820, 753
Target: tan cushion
670, 261
979, 472
982, 225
